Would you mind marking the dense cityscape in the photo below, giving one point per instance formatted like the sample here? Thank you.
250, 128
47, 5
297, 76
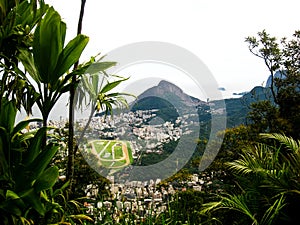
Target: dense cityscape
147, 135
142, 128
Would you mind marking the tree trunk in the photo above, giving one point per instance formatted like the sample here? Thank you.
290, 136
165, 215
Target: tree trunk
70, 166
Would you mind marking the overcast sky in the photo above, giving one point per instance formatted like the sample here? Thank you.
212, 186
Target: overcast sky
213, 30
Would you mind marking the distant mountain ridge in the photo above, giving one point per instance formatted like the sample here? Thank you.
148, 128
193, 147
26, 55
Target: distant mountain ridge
169, 98
171, 92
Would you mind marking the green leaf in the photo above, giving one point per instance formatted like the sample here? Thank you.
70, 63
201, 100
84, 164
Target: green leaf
40, 163
80, 70
94, 85
4, 142
33, 199
47, 179
28, 14
27, 60
48, 43
20, 139
35, 146
273, 211
289, 142
14, 199
111, 85
23, 124
99, 67
81, 217
70, 54
8, 113
11, 195
238, 203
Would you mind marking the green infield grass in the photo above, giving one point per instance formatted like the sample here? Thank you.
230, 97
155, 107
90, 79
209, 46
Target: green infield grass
105, 149
118, 152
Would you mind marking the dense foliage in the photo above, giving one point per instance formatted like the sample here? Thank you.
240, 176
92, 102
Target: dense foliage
281, 58
253, 180
31, 160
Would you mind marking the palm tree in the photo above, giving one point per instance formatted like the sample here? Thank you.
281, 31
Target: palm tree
94, 91
268, 178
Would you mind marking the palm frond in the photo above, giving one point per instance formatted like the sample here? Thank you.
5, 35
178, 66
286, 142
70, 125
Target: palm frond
273, 211
257, 160
287, 141
210, 206
238, 203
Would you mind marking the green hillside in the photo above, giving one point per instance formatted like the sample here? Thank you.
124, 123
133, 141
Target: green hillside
165, 109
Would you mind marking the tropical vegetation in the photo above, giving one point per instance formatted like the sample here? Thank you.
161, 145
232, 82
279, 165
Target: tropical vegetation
43, 178
33, 35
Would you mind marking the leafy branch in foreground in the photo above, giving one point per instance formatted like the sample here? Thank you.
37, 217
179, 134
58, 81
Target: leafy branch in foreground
28, 180
50, 60
268, 180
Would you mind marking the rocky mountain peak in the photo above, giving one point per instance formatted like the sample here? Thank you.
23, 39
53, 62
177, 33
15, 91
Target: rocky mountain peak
171, 92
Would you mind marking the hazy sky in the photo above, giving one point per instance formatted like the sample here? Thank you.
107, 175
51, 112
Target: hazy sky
213, 30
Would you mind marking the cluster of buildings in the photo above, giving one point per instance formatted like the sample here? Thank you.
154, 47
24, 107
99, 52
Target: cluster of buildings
141, 128
145, 133
143, 199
